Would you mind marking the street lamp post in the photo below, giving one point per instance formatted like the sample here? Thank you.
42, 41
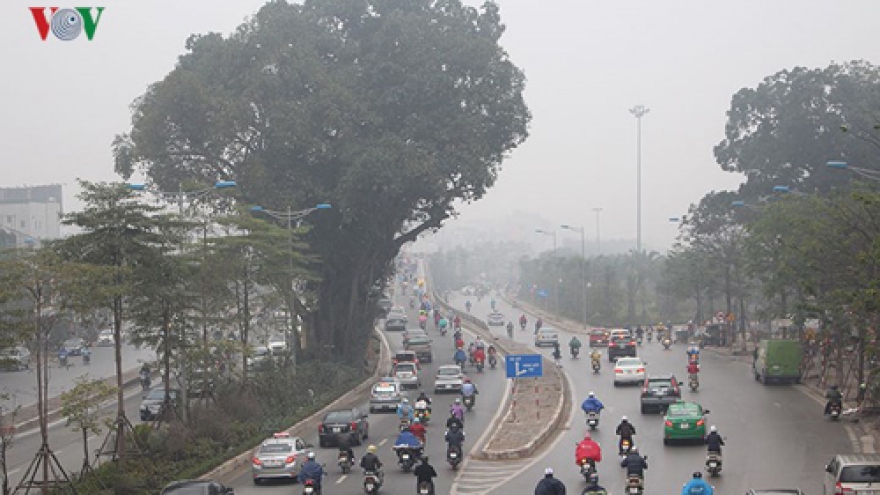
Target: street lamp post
556, 266
866, 173
290, 217
639, 111
581, 231
598, 232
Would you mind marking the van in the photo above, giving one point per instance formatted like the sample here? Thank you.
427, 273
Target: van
853, 474
779, 361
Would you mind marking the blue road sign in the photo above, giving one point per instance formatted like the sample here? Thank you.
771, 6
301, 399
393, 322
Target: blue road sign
524, 365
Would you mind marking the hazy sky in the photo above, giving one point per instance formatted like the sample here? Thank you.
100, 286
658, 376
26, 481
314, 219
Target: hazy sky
587, 62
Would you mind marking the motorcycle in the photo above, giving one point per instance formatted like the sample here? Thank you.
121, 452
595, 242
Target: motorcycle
650, 336
453, 456
344, 462
423, 324
311, 488
87, 358
597, 365
443, 331
468, 401
635, 485
574, 352
693, 382
666, 343
639, 340
62, 361
834, 411
493, 361
593, 420
145, 382
372, 482
425, 488
406, 459
479, 365
588, 467
423, 415
404, 424
713, 463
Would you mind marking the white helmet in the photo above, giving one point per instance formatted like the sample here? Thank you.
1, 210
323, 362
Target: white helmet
623, 418
712, 428
592, 395
405, 400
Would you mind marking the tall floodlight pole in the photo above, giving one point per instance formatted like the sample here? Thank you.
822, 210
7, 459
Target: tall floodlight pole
639, 111
582, 231
598, 232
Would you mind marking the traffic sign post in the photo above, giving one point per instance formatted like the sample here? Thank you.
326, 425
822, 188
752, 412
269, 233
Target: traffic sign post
524, 365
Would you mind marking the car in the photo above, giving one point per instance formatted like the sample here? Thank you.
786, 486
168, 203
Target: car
406, 357
106, 338
659, 391
385, 304
196, 487
277, 345
852, 473
277, 457
258, 357
397, 312
495, 319
599, 337
775, 491
629, 370
15, 358
395, 324
74, 346
151, 404
413, 332
385, 395
421, 345
350, 424
684, 421
407, 374
449, 379
621, 347
619, 332
547, 337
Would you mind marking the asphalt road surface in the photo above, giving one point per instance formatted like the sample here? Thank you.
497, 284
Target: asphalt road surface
384, 428
775, 436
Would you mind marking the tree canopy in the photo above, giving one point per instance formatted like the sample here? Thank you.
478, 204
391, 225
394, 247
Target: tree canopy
389, 110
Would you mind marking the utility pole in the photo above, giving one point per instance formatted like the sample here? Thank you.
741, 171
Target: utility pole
598, 245
639, 111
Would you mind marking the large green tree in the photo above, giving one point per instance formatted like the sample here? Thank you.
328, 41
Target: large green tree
391, 110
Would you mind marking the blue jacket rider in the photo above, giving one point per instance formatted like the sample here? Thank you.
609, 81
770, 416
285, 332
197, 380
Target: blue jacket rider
405, 411
697, 486
592, 404
407, 439
468, 389
311, 470
460, 356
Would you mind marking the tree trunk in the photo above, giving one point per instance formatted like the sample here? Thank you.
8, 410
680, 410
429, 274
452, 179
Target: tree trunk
85, 434
120, 396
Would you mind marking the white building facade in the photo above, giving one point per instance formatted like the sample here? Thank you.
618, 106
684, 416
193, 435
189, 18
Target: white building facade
30, 214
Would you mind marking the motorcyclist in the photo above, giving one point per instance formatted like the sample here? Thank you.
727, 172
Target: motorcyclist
345, 448
370, 462
714, 440
588, 450
405, 411
593, 487
523, 321
510, 329
443, 324
492, 303
425, 473
454, 421
549, 485
574, 345
480, 355
456, 322
596, 357
467, 305
423, 401
423, 320
538, 324
418, 429
557, 354
626, 431
592, 404
454, 437
87, 355
634, 463
697, 486
693, 369
457, 410
471, 348
62, 356
693, 353
835, 398
469, 390
311, 470
639, 332
460, 357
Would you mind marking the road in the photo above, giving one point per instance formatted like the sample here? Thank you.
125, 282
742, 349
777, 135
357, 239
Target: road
22, 385
383, 429
776, 436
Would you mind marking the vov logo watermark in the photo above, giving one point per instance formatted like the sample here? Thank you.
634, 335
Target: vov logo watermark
66, 24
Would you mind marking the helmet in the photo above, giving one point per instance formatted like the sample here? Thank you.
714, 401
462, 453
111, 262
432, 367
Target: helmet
623, 418
405, 400
634, 449
458, 401
698, 474
592, 395
712, 428
548, 471
311, 455
415, 420
467, 380
424, 459
371, 449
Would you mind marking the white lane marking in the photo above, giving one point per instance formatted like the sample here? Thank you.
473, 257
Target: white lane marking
10, 473
384, 441
341, 479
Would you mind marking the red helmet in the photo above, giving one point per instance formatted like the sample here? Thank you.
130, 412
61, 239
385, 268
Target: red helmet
467, 380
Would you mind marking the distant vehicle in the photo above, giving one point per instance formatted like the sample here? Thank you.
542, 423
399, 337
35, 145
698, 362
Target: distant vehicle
15, 358
449, 379
621, 346
259, 356
778, 361
341, 423
495, 319
629, 370
421, 345
714, 334
684, 421
775, 491
397, 312
278, 457
599, 337
407, 374
659, 392
858, 474
385, 305
106, 339
196, 487
74, 346
546, 337
385, 395
394, 323
619, 333
151, 405
406, 357
277, 345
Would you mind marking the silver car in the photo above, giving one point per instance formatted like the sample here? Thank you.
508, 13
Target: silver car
386, 395
15, 358
449, 379
278, 457
407, 374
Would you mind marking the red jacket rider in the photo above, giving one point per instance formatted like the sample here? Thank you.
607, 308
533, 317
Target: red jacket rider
587, 449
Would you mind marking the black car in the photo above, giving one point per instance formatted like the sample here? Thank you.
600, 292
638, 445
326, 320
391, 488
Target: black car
659, 392
385, 305
196, 487
342, 423
395, 324
621, 347
151, 405
74, 346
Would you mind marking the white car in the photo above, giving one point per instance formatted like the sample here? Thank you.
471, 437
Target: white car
495, 319
106, 338
546, 337
629, 370
277, 345
449, 379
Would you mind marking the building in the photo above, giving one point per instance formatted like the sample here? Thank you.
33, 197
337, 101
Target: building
30, 214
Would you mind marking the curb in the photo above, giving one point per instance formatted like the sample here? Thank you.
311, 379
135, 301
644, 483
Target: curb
310, 423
